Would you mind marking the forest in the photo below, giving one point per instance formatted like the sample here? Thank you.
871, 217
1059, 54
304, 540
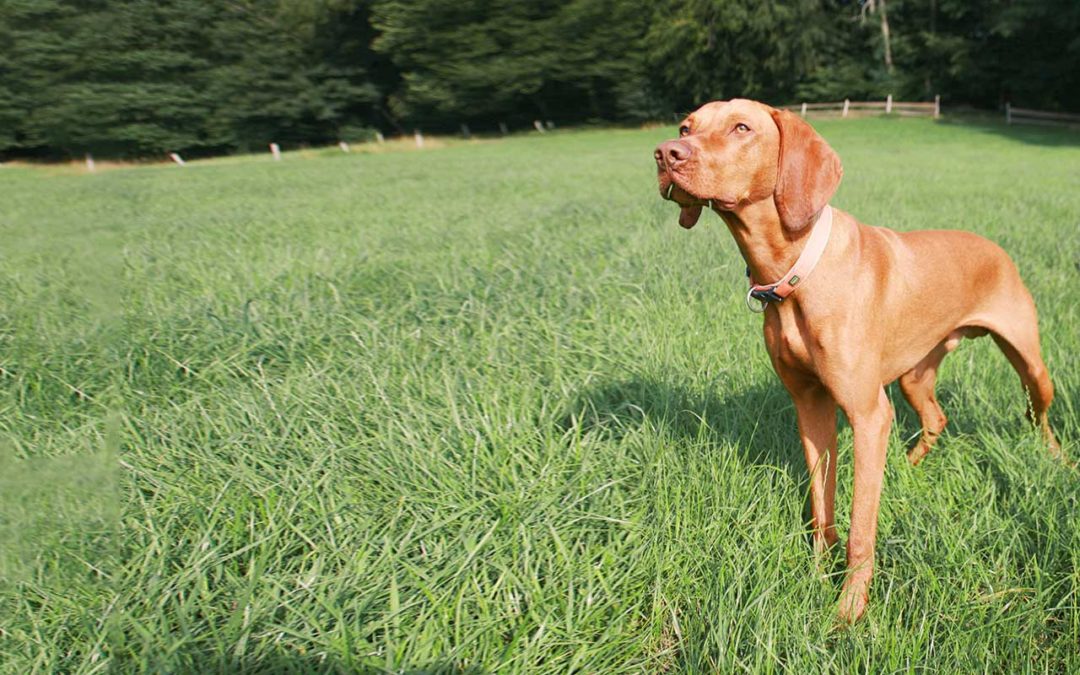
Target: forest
138, 78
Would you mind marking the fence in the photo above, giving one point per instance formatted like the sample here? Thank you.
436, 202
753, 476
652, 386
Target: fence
849, 108
418, 138
1028, 116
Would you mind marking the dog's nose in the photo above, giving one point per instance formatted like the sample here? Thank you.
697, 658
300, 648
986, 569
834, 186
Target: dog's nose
672, 153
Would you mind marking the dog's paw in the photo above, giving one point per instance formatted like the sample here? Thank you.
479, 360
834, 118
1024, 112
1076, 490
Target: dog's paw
853, 600
916, 454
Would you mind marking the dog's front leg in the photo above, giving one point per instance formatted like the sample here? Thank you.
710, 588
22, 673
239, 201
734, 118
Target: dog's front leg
816, 412
871, 418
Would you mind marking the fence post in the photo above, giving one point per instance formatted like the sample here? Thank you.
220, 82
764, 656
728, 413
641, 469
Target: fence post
538, 125
465, 131
90, 162
275, 150
937, 106
502, 129
847, 102
803, 111
419, 138
379, 137
174, 156
1008, 113
888, 105
343, 145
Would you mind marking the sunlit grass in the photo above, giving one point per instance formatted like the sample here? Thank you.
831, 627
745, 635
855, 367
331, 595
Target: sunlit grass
488, 407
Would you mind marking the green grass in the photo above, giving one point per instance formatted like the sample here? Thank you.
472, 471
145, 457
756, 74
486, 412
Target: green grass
488, 408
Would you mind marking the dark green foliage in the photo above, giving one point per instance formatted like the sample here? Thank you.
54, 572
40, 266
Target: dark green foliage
714, 49
991, 51
114, 78
290, 75
489, 62
144, 77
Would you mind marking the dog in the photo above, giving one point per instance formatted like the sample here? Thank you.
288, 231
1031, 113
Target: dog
848, 308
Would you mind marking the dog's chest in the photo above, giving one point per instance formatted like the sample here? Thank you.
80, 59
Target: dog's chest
787, 343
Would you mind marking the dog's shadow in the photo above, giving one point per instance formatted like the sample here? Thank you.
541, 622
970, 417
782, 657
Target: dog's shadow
758, 420
755, 420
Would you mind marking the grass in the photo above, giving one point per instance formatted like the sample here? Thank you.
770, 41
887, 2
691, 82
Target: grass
488, 408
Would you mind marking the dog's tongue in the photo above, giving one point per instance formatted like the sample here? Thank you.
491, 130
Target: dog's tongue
688, 216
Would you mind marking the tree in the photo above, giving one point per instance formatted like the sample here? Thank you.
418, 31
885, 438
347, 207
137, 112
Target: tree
145, 77
28, 67
871, 6
128, 79
273, 81
487, 62
702, 50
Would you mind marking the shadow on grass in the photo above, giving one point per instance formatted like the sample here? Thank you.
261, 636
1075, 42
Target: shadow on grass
964, 420
758, 421
1030, 134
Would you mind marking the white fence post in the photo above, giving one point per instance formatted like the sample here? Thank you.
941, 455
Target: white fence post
803, 112
888, 105
1008, 114
275, 150
90, 166
847, 102
538, 125
937, 106
419, 138
176, 158
379, 137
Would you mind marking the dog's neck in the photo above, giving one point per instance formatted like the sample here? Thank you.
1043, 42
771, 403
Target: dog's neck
768, 248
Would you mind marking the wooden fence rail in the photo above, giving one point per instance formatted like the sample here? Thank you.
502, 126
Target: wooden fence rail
1029, 116
847, 108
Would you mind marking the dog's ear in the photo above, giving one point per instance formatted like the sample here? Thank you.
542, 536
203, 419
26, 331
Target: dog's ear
808, 172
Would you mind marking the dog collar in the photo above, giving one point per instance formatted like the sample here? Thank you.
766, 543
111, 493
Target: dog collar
808, 259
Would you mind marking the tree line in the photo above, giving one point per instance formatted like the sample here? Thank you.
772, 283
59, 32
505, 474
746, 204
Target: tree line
130, 78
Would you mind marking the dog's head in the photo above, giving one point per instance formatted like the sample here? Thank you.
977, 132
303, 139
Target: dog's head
738, 152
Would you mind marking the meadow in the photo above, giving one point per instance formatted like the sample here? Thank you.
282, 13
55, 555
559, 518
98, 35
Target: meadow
487, 408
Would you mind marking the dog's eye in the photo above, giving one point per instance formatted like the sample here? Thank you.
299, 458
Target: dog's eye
684, 130
741, 128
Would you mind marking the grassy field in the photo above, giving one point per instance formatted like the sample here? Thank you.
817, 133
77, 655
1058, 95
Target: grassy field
487, 408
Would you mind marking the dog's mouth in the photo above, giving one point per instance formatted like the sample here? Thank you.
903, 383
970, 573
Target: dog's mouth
690, 205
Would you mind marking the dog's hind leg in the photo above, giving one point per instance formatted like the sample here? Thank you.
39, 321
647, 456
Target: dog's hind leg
917, 386
1014, 325
1020, 343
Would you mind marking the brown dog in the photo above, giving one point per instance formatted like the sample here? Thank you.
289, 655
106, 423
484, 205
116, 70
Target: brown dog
879, 305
